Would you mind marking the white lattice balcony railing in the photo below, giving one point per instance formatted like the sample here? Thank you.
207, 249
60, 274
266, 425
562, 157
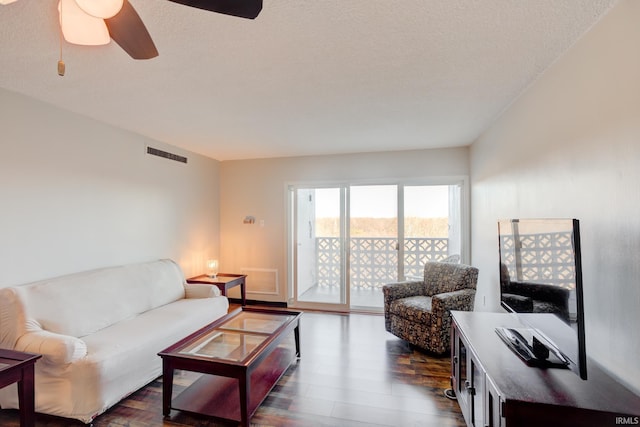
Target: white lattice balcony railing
374, 260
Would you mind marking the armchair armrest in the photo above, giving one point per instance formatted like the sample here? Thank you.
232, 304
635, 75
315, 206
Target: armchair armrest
200, 290
397, 290
55, 348
456, 300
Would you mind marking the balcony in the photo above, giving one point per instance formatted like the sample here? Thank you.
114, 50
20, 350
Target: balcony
373, 263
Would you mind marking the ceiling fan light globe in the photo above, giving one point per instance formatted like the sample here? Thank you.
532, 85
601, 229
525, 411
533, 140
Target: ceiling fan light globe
80, 28
103, 9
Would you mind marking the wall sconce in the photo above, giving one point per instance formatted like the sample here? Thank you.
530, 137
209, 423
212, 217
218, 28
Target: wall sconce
249, 220
212, 268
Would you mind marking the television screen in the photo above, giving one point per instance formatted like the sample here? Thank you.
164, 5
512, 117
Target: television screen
541, 281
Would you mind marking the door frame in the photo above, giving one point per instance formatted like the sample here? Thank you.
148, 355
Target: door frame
291, 260
292, 253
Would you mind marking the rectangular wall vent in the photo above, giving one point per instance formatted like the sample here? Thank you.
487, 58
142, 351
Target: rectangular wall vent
166, 155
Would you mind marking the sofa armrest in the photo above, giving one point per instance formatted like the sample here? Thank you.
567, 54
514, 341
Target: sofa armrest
12, 317
200, 290
55, 348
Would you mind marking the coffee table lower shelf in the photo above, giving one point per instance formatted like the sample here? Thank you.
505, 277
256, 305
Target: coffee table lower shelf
219, 397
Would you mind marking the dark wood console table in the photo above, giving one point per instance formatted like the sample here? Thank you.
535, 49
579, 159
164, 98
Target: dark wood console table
495, 388
224, 282
16, 366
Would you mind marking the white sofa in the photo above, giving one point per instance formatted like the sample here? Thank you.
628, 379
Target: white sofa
100, 331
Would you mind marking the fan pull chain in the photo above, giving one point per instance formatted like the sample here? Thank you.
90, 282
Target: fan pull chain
61, 66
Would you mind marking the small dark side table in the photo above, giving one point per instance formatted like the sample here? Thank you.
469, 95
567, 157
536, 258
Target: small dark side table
16, 366
224, 282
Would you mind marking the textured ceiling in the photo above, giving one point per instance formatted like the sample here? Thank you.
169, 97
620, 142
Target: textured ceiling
306, 77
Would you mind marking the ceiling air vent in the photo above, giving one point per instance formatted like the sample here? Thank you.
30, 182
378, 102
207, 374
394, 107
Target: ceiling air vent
166, 155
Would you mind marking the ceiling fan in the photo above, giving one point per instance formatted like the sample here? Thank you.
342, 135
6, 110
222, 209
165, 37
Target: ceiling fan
96, 22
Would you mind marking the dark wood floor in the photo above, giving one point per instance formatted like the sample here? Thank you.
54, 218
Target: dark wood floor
351, 373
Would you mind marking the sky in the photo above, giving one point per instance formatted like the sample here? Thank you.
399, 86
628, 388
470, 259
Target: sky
380, 201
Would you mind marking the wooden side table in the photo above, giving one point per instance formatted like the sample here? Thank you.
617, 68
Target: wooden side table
16, 366
224, 282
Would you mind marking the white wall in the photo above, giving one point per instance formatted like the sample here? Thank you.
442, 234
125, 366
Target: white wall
76, 194
258, 187
570, 147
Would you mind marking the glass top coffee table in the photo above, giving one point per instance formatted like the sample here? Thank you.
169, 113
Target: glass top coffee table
244, 354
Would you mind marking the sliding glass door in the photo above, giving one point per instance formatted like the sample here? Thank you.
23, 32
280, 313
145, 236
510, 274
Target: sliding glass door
319, 254
347, 241
431, 227
373, 243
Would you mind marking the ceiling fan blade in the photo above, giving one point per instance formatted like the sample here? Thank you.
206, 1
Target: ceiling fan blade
241, 8
128, 30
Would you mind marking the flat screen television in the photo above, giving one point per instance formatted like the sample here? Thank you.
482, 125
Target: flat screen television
541, 282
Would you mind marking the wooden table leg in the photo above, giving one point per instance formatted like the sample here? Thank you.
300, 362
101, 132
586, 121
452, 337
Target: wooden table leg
26, 397
296, 334
245, 391
167, 387
243, 292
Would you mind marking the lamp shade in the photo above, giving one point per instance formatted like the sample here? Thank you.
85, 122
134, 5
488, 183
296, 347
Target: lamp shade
7, 1
212, 267
81, 28
104, 9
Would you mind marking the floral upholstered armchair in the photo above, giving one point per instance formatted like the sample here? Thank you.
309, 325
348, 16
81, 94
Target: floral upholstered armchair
419, 312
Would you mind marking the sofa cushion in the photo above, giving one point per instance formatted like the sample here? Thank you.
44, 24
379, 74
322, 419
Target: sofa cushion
96, 299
